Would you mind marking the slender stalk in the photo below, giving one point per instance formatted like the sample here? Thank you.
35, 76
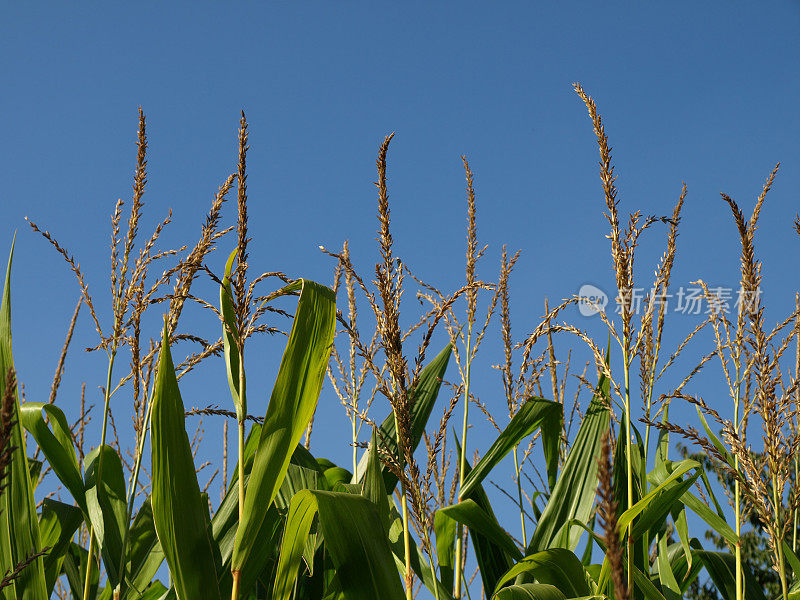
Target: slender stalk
99, 472
241, 417
355, 448
235, 585
406, 542
629, 465
519, 493
737, 498
796, 417
462, 463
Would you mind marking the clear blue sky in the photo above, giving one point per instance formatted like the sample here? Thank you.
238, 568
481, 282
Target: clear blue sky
704, 93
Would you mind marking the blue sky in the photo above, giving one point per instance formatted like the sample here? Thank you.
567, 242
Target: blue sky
702, 93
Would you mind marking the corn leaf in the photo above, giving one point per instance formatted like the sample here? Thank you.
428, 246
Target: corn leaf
354, 539
493, 561
74, 568
574, 494
180, 514
144, 552
57, 525
56, 445
107, 506
445, 529
534, 413
557, 567
530, 591
467, 512
229, 338
293, 402
372, 486
721, 566
19, 523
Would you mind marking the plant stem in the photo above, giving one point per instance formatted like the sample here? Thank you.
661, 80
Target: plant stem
462, 463
737, 509
355, 448
240, 418
629, 466
406, 542
519, 493
99, 471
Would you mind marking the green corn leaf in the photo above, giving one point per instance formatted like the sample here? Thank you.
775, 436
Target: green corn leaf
467, 512
354, 539
55, 440
336, 475
557, 567
669, 584
19, 523
715, 440
144, 552
534, 413
229, 337
419, 561
445, 529
493, 561
721, 566
643, 584
107, 506
530, 591
574, 494
423, 399
57, 525
180, 514
294, 399
679, 469
716, 522
372, 486
74, 568
659, 507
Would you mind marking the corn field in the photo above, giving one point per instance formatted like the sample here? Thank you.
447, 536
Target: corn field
612, 499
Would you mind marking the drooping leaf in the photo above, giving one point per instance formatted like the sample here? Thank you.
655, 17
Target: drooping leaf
530, 591
19, 524
467, 512
648, 502
354, 539
294, 399
534, 413
180, 514
55, 441
557, 567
